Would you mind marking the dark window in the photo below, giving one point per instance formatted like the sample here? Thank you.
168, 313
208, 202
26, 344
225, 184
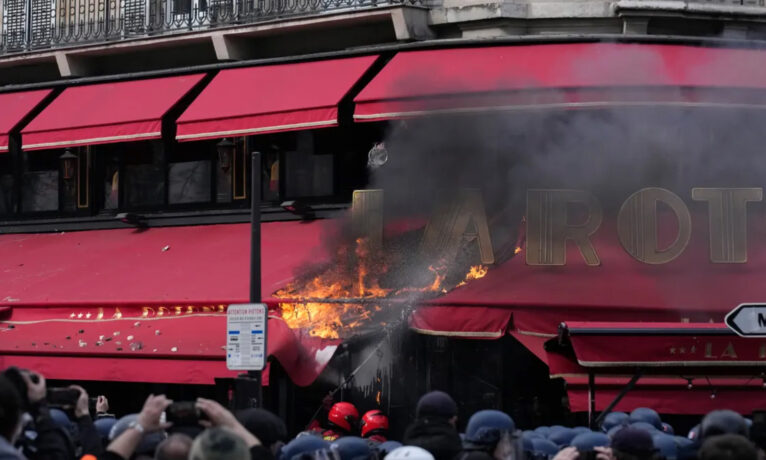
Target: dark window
40, 182
144, 174
7, 187
324, 165
190, 173
110, 182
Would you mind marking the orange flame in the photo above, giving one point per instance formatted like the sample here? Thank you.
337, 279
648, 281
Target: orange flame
356, 280
517, 250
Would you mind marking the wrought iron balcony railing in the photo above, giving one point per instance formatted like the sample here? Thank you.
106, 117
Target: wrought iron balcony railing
38, 24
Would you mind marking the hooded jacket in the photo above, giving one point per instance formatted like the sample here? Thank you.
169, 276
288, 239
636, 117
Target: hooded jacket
434, 434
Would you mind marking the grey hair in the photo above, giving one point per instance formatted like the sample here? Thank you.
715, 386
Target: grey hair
219, 444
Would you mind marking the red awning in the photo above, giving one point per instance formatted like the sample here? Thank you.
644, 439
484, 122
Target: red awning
472, 323
271, 98
561, 75
107, 112
16, 106
723, 369
169, 265
620, 289
671, 395
147, 303
616, 347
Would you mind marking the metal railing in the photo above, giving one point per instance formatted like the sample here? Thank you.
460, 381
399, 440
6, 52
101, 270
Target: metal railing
38, 24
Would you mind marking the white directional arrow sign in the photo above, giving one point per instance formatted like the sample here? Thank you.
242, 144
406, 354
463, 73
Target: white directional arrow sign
748, 320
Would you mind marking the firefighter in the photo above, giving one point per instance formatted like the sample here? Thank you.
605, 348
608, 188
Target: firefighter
375, 426
342, 420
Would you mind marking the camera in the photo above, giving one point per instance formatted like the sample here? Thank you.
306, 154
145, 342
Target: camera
184, 413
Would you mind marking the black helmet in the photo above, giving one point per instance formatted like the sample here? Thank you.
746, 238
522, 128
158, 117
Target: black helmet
721, 422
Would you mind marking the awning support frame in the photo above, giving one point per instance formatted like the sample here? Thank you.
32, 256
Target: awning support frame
631, 384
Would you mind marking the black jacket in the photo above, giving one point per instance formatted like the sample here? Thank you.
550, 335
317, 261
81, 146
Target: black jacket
435, 435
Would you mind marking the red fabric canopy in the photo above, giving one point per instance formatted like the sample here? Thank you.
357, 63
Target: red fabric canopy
169, 265
271, 98
569, 75
186, 348
704, 355
16, 106
107, 112
604, 347
148, 305
621, 289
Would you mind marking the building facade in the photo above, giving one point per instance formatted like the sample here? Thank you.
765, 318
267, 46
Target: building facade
126, 183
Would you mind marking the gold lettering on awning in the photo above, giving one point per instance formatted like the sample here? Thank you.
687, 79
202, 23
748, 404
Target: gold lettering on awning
637, 225
549, 228
727, 216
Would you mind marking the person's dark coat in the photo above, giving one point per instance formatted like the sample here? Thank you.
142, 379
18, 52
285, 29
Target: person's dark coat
436, 435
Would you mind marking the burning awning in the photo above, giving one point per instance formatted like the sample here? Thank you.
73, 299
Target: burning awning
136, 300
271, 98
16, 106
79, 115
566, 75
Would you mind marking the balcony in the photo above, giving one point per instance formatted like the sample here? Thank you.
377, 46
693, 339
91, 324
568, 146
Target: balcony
29, 25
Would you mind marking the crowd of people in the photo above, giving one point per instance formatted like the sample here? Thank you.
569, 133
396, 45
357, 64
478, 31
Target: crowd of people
37, 422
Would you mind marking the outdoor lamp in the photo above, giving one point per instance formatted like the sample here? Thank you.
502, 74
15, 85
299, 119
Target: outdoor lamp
68, 164
377, 156
225, 150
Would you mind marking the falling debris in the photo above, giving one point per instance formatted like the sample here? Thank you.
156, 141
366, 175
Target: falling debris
137, 323
136, 346
116, 333
157, 332
166, 248
130, 337
83, 343
174, 349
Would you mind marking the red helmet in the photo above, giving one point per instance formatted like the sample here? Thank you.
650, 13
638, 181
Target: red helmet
343, 415
374, 422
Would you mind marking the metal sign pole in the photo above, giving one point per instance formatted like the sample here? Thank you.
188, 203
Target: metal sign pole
248, 389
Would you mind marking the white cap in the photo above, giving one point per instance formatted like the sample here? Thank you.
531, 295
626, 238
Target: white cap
409, 453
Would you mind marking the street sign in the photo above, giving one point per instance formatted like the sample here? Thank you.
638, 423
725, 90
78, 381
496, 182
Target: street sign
748, 320
246, 336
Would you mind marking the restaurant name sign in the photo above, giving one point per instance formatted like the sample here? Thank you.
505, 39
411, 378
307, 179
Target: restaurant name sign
550, 225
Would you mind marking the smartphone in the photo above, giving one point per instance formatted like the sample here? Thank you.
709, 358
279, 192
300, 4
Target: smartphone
62, 397
184, 413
